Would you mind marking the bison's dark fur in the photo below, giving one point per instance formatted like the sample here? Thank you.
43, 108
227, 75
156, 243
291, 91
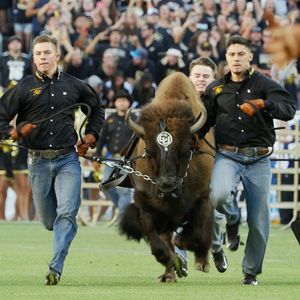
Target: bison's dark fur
154, 218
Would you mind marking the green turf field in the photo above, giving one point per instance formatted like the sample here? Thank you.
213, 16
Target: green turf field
103, 265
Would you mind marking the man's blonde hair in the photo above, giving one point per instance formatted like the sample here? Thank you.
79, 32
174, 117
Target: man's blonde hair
45, 38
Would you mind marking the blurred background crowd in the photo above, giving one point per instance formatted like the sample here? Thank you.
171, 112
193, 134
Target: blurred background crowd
131, 45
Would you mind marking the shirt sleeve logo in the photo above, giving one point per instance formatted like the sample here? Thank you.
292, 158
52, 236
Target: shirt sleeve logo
218, 89
36, 91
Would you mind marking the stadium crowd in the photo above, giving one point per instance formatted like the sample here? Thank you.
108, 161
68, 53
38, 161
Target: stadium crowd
131, 45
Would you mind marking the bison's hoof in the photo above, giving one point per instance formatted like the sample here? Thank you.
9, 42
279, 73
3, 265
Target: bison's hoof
167, 278
202, 267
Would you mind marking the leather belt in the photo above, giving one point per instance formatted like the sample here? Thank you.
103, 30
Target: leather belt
247, 151
51, 153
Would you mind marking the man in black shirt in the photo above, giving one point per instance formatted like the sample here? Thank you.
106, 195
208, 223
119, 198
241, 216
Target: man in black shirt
53, 164
242, 106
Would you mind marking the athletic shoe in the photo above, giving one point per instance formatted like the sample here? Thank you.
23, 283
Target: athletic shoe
52, 277
181, 266
250, 279
220, 261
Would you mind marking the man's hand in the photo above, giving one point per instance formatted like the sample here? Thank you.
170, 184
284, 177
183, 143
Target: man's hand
22, 130
88, 141
250, 107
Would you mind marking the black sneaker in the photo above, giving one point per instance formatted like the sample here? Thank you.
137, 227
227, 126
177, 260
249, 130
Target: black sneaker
220, 261
233, 237
250, 279
181, 266
52, 277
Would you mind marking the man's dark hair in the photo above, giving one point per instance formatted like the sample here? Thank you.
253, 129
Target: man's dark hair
237, 39
203, 61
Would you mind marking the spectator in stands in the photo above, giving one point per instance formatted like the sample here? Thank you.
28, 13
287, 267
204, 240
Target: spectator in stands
97, 84
14, 64
149, 42
262, 58
5, 5
206, 50
22, 23
119, 83
115, 135
143, 90
98, 23
170, 63
77, 65
108, 65
139, 64
108, 39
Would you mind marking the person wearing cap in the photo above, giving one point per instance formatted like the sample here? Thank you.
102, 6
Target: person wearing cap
115, 135
139, 64
205, 49
14, 66
170, 63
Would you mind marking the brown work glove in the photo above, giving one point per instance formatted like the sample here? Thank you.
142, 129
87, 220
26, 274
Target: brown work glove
88, 141
250, 107
22, 130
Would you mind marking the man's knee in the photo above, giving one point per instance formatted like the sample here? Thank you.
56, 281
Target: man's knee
219, 197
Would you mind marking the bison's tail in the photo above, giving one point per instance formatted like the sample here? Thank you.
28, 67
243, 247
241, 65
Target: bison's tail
129, 224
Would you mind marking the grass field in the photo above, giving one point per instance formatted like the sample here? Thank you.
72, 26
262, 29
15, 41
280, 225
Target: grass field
103, 265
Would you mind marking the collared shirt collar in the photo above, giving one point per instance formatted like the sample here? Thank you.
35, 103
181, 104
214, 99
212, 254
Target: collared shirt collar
39, 75
248, 74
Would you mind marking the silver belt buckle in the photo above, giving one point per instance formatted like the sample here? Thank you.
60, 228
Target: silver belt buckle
250, 151
49, 154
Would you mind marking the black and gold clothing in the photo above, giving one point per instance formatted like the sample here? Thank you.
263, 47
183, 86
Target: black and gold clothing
115, 134
13, 69
37, 97
223, 98
13, 162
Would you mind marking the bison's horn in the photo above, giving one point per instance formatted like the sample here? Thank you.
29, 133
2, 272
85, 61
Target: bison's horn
200, 122
138, 129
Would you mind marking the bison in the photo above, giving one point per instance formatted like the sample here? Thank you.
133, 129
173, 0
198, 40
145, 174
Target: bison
179, 166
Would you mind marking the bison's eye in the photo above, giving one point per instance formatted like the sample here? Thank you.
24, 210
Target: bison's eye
150, 153
186, 153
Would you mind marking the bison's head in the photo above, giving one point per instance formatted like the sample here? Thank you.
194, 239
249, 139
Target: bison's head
167, 131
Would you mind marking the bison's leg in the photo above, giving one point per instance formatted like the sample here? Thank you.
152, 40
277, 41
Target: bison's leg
169, 275
160, 248
130, 223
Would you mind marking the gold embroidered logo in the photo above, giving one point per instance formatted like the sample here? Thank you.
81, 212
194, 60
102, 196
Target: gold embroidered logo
36, 91
218, 89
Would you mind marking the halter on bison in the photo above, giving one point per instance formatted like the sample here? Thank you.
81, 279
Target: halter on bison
179, 166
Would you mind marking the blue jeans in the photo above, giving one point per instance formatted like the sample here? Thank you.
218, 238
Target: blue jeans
56, 188
120, 196
256, 179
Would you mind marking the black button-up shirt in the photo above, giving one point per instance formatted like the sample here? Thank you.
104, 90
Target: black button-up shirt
115, 134
233, 127
37, 97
